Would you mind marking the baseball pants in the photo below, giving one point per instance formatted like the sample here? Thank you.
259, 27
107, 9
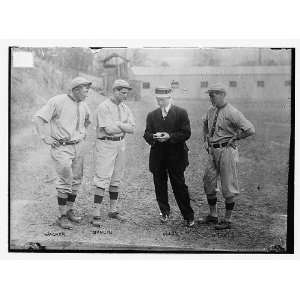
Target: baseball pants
222, 162
109, 160
68, 162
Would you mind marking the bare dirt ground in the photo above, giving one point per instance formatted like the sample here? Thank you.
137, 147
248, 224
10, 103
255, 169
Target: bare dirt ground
259, 220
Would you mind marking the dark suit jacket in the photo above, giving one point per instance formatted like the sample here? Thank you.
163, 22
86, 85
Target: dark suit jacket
174, 152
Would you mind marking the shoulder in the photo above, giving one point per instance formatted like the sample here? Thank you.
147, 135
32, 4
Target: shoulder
58, 99
104, 104
179, 110
154, 112
231, 110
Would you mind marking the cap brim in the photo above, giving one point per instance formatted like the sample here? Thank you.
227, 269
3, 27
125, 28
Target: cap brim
162, 95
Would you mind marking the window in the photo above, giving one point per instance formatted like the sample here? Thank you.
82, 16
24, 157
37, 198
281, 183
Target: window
204, 84
260, 83
287, 83
232, 83
146, 85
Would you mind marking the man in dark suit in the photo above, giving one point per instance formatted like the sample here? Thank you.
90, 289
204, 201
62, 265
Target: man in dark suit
167, 129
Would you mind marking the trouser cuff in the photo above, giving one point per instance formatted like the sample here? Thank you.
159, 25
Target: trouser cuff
62, 195
113, 189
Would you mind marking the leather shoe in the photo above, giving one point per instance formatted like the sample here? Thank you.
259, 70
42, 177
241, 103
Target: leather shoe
64, 223
223, 225
164, 218
208, 220
72, 216
96, 221
117, 216
190, 223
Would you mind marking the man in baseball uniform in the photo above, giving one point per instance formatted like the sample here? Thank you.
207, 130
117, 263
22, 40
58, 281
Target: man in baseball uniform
223, 126
68, 116
114, 120
167, 130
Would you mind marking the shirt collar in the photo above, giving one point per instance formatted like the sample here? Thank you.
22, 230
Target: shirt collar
73, 99
167, 108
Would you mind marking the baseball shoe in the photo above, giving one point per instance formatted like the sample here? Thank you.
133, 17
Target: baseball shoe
208, 220
164, 218
223, 225
64, 223
72, 216
190, 223
117, 216
96, 221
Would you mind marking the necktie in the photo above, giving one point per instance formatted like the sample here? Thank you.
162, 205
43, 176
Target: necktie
213, 128
164, 112
78, 116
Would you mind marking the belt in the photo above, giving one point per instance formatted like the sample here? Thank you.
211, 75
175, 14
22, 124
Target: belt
219, 145
62, 142
112, 138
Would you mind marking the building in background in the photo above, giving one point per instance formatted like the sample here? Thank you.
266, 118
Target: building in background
243, 82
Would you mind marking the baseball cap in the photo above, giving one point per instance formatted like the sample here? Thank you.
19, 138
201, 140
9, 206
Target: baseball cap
120, 83
163, 92
217, 87
79, 81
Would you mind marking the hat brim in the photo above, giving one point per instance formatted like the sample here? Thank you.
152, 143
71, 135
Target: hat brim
209, 91
123, 87
163, 95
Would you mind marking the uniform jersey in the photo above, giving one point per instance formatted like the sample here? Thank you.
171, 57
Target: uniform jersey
227, 123
67, 117
108, 113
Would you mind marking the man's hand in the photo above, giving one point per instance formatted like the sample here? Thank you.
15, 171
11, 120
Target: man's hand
161, 136
118, 123
231, 142
50, 141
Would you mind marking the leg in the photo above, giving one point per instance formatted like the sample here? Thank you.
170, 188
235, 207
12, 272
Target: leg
105, 156
62, 157
98, 198
160, 179
210, 185
117, 176
181, 193
229, 179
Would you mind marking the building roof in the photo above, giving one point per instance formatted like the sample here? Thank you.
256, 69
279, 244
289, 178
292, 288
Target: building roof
208, 70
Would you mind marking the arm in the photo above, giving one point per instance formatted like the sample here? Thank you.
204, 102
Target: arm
184, 132
149, 131
244, 128
104, 121
40, 126
205, 129
129, 125
42, 117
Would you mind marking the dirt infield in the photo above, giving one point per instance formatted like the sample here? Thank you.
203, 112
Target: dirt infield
259, 220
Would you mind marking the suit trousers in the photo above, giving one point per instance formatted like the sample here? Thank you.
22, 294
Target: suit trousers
180, 190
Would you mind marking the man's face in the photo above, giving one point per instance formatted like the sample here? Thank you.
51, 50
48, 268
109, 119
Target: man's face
163, 101
121, 94
217, 98
81, 92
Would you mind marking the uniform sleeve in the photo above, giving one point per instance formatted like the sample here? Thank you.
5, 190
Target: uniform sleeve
241, 122
131, 120
48, 111
102, 117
